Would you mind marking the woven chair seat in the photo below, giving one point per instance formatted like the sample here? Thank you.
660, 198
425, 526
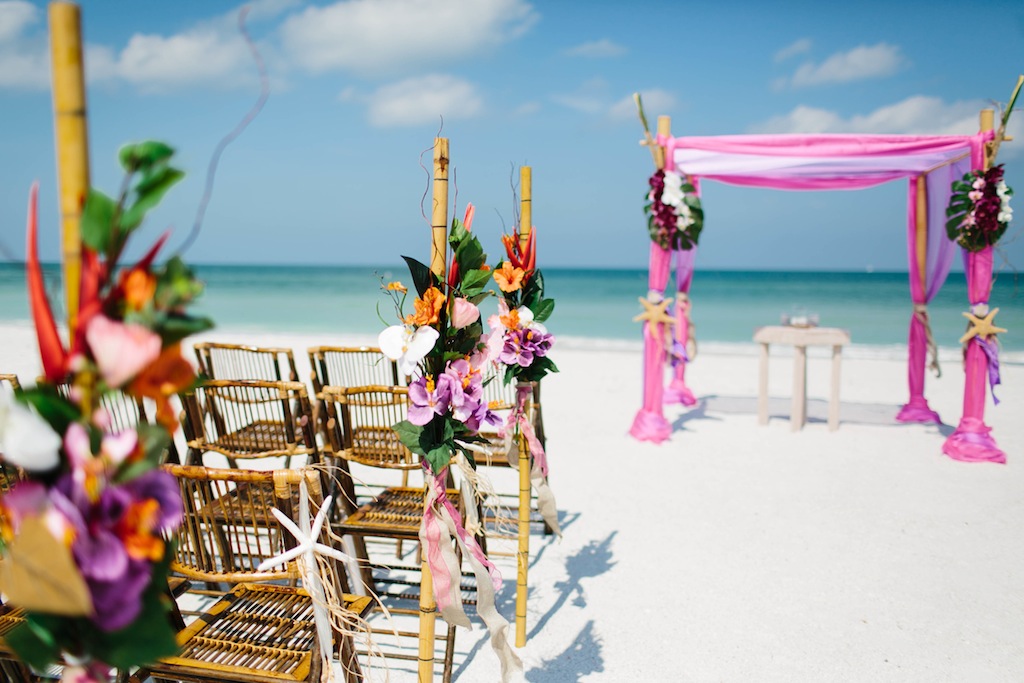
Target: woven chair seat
397, 511
258, 437
10, 617
264, 632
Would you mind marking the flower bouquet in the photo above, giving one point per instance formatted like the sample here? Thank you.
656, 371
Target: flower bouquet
521, 343
82, 531
674, 214
441, 342
979, 209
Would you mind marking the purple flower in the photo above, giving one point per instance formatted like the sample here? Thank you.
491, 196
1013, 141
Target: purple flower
427, 398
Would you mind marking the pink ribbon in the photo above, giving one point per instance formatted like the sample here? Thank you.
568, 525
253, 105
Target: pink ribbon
518, 417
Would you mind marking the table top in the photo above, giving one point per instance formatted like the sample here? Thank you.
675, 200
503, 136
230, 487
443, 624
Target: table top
801, 336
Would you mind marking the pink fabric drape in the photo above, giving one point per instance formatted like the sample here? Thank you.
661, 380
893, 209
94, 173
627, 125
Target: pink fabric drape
650, 423
677, 391
972, 441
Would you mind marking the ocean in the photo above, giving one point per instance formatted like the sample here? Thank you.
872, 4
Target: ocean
593, 306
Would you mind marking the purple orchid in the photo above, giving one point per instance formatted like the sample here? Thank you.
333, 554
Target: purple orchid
522, 346
427, 398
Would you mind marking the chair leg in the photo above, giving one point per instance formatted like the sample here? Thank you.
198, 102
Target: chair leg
449, 655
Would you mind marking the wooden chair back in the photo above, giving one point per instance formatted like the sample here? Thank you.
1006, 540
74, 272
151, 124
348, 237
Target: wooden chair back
249, 419
236, 361
360, 424
352, 366
10, 381
123, 410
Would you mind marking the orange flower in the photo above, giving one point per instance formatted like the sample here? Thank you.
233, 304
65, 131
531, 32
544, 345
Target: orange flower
427, 308
396, 286
139, 287
509, 277
136, 531
510, 320
161, 379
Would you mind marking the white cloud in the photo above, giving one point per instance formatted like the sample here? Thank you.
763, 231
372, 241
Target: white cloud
655, 101
24, 60
793, 49
590, 98
199, 56
526, 109
597, 49
382, 36
862, 62
919, 115
418, 101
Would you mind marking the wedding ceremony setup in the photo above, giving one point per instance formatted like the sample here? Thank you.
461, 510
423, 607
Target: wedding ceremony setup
449, 495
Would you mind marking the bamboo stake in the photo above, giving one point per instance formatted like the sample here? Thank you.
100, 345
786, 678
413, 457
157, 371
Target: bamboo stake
72, 141
987, 119
439, 217
921, 231
439, 252
523, 556
526, 205
664, 128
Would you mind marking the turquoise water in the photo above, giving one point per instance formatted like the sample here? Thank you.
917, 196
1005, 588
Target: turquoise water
593, 304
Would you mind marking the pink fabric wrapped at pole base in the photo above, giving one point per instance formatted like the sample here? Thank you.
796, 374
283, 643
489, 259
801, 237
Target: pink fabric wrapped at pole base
650, 423
972, 441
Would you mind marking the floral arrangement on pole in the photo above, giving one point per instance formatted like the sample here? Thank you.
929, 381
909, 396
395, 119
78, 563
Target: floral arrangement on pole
674, 214
520, 341
979, 209
83, 530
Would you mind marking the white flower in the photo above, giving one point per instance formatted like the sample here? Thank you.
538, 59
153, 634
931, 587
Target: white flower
1001, 189
672, 194
1005, 216
26, 440
526, 320
406, 345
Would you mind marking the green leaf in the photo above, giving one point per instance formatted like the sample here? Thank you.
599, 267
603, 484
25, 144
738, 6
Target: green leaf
143, 154
35, 642
543, 310
438, 457
51, 406
474, 281
174, 328
98, 221
422, 277
470, 254
458, 232
409, 434
150, 191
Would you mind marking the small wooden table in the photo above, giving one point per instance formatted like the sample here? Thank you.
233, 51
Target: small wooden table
800, 338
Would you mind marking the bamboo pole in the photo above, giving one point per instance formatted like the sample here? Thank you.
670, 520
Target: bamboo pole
526, 205
921, 231
523, 556
71, 141
664, 128
439, 252
987, 119
439, 217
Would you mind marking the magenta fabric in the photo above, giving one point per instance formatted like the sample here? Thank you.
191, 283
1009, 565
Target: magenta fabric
650, 423
677, 391
972, 441
939, 258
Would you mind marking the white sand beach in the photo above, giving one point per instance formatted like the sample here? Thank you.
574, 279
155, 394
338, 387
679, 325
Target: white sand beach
736, 552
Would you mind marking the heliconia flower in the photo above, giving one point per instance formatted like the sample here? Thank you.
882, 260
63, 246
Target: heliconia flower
51, 349
121, 350
520, 257
428, 398
26, 439
509, 277
407, 345
427, 309
464, 313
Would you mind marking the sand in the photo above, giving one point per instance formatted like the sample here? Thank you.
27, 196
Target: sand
735, 552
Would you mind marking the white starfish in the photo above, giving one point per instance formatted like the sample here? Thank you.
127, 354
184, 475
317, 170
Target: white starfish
308, 548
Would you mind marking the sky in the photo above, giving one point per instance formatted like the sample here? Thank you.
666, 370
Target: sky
330, 172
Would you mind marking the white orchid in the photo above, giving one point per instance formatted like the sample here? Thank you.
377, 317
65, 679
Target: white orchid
407, 345
26, 440
672, 193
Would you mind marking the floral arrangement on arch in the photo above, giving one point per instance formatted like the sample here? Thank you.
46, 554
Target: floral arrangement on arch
83, 529
674, 214
979, 209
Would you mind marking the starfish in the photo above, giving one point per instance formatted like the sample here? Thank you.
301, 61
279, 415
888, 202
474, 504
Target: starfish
981, 327
308, 548
655, 312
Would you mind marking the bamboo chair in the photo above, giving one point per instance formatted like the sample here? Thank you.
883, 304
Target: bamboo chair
235, 361
259, 631
359, 421
249, 420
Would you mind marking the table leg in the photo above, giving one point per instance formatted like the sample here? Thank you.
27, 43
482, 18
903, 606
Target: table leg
833, 401
799, 411
762, 391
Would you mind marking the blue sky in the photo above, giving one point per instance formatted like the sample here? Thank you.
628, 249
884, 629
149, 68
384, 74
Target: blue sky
329, 172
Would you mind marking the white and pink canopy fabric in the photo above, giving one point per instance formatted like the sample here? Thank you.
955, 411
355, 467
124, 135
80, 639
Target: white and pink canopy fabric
834, 162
